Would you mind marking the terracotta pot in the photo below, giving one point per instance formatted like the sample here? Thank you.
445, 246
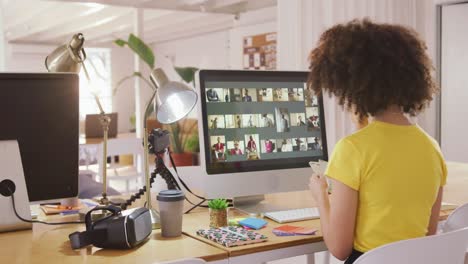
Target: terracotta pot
218, 218
182, 159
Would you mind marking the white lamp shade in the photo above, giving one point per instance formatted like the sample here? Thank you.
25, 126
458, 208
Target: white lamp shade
174, 100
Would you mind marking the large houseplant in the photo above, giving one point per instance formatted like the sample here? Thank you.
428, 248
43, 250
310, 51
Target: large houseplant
184, 134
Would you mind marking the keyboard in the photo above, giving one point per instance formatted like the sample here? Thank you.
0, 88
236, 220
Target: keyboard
294, 215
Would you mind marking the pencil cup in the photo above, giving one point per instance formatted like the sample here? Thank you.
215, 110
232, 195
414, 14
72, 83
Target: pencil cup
171, 207
218, 217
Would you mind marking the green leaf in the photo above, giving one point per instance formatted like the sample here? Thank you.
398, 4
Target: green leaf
218, 204
193, 143
120, 42
186, 73
175, 138
144, 51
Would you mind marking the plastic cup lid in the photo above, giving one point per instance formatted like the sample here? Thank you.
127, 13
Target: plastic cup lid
170, 196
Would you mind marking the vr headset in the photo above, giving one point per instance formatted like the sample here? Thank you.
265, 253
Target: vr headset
116, 231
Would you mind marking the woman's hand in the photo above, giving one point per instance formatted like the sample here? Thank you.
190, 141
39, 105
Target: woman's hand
318, 186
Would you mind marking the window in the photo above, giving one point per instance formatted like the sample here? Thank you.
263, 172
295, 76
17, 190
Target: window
99, 68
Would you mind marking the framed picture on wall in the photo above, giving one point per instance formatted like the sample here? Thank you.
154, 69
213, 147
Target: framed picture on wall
260, 52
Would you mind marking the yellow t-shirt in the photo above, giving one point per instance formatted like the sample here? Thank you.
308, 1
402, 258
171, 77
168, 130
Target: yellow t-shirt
397, 171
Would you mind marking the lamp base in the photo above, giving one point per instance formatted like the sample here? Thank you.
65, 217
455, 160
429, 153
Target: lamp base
104, 200
155, 219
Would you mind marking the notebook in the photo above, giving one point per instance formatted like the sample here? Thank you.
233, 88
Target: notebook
254, 223
232, 236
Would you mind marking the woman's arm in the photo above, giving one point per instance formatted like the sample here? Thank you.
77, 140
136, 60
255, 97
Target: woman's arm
337, 215
434, 220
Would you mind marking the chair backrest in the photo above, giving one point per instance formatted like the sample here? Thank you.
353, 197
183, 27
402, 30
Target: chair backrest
123, 146
457, 219
184, 261
93, 127
444, 248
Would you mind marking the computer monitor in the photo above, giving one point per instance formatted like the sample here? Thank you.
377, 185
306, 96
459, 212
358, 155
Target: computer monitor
258, 132
41, 111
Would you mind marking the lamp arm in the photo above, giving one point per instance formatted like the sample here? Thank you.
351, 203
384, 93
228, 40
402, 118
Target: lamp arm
146, 156
105, 121
148, 108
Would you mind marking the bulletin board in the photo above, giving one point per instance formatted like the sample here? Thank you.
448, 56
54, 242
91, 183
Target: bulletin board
260, 52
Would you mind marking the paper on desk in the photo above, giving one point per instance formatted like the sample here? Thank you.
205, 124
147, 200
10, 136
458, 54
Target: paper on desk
320, 167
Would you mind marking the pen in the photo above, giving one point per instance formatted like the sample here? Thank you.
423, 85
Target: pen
58, 206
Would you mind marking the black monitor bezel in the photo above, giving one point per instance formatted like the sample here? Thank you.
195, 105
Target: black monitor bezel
47, 190
257, 165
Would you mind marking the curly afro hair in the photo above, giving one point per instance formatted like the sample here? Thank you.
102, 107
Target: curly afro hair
370, 67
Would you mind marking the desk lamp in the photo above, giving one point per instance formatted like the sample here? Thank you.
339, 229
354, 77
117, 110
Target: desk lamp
172, 102
69, 58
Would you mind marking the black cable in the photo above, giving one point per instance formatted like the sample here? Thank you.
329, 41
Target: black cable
185, 185
37, 221
181, 181
171, 182
165, 173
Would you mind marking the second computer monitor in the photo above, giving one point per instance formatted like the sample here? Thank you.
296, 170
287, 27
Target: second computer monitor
258, 128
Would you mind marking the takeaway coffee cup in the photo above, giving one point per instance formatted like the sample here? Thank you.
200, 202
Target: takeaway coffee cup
171, 206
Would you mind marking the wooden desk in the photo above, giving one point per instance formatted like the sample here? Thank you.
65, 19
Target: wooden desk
455, 192
49, 244
276, 247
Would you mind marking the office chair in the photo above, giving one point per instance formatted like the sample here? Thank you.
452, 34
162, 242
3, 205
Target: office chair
443, 248
127, 173
457, 219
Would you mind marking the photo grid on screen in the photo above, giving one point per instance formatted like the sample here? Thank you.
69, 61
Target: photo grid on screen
250, 121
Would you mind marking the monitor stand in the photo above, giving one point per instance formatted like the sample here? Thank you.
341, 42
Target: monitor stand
256, 205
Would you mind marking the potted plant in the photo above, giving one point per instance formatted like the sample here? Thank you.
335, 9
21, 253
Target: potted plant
184, 135
218, 212
184, 141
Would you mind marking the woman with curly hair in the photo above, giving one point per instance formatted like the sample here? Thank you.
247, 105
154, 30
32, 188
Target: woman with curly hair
388, 177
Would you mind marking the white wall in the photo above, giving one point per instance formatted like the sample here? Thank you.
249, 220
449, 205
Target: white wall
204, 51
124, 99
301, 22
454, 92
26, 58
216, 50
426, 26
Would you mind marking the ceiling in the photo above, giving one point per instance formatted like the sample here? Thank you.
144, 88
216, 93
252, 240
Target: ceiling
102, 21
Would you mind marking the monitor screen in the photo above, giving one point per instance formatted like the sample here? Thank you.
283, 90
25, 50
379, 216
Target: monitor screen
257, 120
40, 111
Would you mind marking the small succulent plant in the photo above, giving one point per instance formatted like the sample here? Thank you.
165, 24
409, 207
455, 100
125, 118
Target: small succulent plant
218, 204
